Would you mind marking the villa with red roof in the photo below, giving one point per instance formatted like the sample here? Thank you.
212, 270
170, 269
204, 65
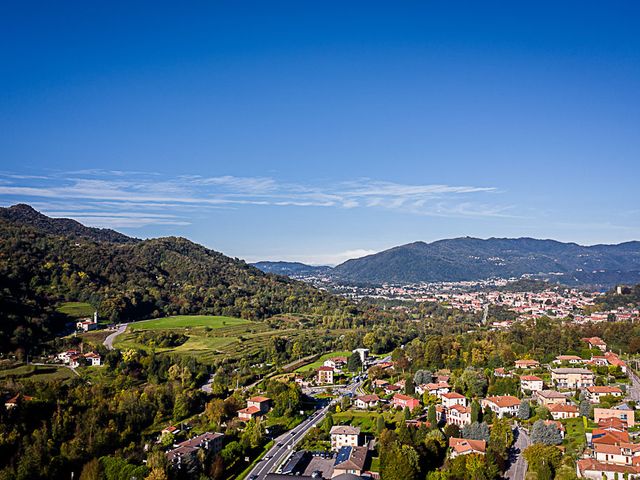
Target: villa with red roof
464, 446
402, 401
501, 405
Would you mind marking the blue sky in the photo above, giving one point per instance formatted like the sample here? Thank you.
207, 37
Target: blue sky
318, 131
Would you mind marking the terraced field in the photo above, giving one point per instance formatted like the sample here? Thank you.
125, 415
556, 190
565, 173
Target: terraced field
209, 337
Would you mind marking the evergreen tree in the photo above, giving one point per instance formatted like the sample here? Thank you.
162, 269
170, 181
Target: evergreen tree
524, 411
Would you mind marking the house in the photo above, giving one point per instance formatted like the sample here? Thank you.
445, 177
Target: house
453, 398
16, 400
531, 383
625, 415
325, 375
560, 411
248, 413
436, 389
367, 401
464, 446
171, 429
595, 393
363, 353
594, 470
335, 362
389, 389
527, 364
67, 354
550, 397
344, 436
572, 378
379, 383
87, 324
93, 358
401, 401
501, 405
263, 404
501, 373
350, 460
572, 359
620, 454
75, 361
614, 360
187, 451
459, 415
596, 342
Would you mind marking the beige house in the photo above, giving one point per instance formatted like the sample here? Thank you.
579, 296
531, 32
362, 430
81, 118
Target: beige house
464, 446
572, 378
531, 383
501, 405
325, 375
527, 364
550, 397
626, 416
350, 460
561, 411
344, 436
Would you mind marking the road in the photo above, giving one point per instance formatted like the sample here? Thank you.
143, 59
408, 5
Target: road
277, 454
633, 392
518, 467
108, 342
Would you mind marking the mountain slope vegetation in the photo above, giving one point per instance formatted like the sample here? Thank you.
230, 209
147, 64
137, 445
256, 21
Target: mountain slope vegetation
41, 266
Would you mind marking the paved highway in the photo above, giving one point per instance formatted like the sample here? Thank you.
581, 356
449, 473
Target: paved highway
283, 445
633, 391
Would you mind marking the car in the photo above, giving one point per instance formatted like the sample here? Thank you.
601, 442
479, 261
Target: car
253, 477
292, 433
279, 444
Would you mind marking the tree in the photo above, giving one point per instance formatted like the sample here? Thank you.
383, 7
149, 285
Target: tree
401, 463
328, 423
296, 350
431, 416
422, 377
476, 431
157, 474
541, 456
215, 411
524, 410
472, 383
476, 412
501, 437
380, 424
91, 470
409, 387
354, 364
547, 434
452, 430
585, 408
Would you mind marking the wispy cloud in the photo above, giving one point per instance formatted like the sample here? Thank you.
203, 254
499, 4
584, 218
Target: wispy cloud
118, 198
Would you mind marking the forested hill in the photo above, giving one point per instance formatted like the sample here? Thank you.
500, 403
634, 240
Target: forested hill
129, 280
467, 258
291, 268
22, 214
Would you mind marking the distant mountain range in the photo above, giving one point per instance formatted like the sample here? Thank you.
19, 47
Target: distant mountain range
464, 259
291, 269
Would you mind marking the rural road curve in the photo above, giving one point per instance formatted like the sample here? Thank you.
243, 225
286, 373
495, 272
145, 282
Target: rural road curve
108, 342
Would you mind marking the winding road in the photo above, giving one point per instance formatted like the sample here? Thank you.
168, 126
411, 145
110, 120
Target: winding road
108, 342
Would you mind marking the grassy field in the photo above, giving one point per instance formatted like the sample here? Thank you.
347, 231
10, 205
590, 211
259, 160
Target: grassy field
188, 321
209, 337
366, 420
76, 309
575, 439
320, 361
37, 373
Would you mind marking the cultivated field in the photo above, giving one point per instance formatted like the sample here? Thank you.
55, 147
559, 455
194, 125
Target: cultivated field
76, 309
188, 321
37, 373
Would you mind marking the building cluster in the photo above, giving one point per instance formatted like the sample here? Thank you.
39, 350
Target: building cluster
75, 358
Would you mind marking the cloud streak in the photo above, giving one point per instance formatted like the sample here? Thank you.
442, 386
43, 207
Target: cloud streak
117, 198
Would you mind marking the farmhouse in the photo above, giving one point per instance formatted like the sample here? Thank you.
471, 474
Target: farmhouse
572, 378
93, 358
16, 400
502, 405
596, 342
572, 359
344, 436
436, 389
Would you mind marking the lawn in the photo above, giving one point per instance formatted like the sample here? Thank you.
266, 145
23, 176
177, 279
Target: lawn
37, 373
188, 321
575, 439
320, 361
76, 309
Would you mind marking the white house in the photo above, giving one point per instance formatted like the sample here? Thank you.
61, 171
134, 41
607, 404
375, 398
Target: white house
501, 405
344, 436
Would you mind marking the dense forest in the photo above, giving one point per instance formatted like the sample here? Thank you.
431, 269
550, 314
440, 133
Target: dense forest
40, 267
